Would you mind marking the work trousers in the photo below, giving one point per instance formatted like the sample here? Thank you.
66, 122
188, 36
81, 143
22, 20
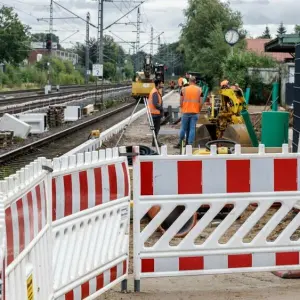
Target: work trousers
188, 127
156, 122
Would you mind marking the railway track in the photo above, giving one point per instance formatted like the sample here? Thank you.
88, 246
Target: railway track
10, 94
63, 141
17, 105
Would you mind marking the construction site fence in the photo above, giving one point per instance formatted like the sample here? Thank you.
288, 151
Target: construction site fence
260, 232
64, 224
53, 215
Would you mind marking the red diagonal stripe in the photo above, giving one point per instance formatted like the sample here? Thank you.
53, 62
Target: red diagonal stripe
99, 282
21, 224
39, 206
285, 175
147, 265
85, 290
30, 209
68, 195
191, 184
146, 178
113, 273
113, 188
287, 258
126, 183
70, 296
54, 199
240, 261
238, 176
191, 263
9, 235
83, 182
98, 185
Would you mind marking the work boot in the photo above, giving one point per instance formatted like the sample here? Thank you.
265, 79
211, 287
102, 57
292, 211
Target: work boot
177, 146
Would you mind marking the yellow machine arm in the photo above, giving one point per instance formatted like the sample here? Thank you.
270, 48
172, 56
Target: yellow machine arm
233, 100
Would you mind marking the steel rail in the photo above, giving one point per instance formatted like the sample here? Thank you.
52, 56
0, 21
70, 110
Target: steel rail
47, 140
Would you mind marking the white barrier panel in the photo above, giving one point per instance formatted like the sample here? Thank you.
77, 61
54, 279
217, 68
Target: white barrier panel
2, 246
28, 235
90, 205
254, 236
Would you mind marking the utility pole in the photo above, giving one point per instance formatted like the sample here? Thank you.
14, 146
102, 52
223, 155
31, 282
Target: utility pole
158, 44
50, 33
138, 29
151, 48
100, 40
87, 50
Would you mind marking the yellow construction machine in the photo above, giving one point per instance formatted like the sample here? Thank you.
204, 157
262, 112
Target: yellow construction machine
222, 123
144, 80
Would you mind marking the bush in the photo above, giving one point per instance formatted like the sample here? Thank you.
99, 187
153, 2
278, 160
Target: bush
61, 72
235, 69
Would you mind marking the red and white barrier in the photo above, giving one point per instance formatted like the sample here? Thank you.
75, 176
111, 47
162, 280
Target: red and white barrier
90, 211
242, 174
215, 181
28, 234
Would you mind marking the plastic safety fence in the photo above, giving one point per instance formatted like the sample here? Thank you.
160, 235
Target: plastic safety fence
253, 237
2, 247
28, 249
90, 213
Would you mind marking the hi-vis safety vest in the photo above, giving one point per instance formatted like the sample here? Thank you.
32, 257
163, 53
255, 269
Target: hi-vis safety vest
191, 99
180, 80
152, 108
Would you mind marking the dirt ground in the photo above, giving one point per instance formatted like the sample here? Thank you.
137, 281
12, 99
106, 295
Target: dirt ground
245, 286
254, 286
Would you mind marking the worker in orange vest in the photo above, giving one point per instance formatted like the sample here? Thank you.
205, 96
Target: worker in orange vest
225, 84
180, 81
190, 103
155, 106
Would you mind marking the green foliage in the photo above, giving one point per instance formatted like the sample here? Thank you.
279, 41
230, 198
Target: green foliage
281, 29
235, 69
172, 55
113, 55
128, 69
62, 72
42, 37
266, 34
14, 37
202, 36
109, 70
297, 29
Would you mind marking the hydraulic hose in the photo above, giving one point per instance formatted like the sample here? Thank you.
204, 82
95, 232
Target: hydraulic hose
144, 150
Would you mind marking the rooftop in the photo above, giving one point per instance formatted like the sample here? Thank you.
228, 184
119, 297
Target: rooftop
258, 46
283, 43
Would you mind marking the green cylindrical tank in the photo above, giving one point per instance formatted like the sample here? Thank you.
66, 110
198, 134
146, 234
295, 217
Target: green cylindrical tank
275, 128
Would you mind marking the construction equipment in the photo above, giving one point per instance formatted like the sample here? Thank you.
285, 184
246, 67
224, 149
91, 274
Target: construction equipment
94, 134
223, 119
144, 80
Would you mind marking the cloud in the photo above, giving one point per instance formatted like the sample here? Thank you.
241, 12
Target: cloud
163, 15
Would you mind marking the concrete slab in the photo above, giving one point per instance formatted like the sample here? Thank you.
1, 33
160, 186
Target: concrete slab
20, 128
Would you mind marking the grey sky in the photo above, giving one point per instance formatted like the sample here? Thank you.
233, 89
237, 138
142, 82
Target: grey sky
163, 15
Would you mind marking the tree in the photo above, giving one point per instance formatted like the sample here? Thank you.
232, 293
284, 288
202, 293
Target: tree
202, 36
266, 34
297, 29
281, 29
113, 55
14, 37
41, 37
